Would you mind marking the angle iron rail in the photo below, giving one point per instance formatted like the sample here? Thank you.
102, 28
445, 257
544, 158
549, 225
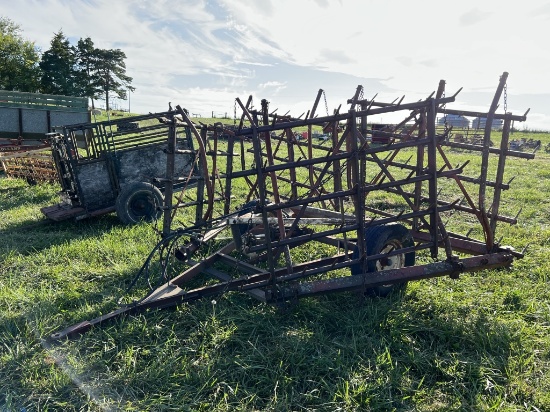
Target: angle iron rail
175, 296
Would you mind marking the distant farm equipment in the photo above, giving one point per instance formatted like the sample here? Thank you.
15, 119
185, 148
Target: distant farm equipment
25, 119
525, 144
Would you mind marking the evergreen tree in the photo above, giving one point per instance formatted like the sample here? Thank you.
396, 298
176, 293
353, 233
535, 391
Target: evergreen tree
112, 74
19, 59
88, 71
64, 69
58, 64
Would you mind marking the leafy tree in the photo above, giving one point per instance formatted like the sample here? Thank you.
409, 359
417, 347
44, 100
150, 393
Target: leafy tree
18, 59
112, 76
58, 64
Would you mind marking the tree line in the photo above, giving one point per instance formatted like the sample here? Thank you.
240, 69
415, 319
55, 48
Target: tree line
64, 69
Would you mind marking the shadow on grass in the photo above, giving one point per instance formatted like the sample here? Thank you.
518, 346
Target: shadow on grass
328, 352
26, 352
31, 236
23, 357
19, 193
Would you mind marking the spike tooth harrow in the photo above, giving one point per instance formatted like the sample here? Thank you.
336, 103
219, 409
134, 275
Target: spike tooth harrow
352, 194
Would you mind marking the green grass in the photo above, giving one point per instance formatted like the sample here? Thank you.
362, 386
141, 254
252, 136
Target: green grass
478, 343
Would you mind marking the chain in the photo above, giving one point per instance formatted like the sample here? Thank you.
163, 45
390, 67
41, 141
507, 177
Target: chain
445, 112
326, 104
505, 97
235, 114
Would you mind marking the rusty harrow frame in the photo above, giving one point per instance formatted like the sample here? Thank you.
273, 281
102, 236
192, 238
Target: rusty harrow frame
32, 162
370, 207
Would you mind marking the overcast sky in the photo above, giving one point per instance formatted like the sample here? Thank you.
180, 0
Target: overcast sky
203, 54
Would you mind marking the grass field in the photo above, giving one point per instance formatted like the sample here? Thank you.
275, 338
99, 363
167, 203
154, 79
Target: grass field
478, 343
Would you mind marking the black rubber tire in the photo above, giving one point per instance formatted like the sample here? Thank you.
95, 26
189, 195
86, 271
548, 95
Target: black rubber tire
138, 202
237, 231
380, 239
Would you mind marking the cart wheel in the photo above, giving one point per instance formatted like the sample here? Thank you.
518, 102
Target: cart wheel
237, 231
384, 239
139, 201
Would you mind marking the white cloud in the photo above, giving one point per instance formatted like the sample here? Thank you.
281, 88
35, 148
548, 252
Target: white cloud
225, 47
272, 87
473, 16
